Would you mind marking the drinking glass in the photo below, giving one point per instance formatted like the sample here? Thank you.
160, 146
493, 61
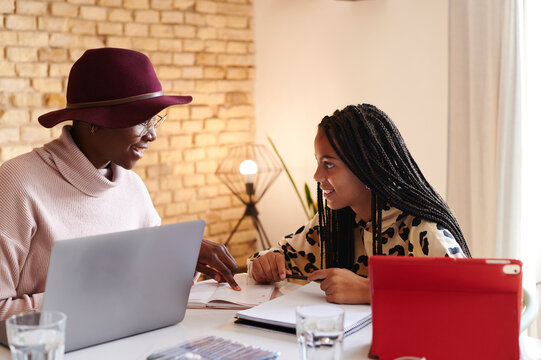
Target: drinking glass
37, 335
320, 331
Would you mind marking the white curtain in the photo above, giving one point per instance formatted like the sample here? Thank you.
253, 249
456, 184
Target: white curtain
484, 124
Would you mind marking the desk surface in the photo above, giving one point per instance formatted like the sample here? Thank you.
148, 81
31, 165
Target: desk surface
204, 322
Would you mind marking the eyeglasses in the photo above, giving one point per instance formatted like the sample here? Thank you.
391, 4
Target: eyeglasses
153, 122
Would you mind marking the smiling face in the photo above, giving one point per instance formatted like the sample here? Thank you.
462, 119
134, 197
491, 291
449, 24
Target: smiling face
341, 188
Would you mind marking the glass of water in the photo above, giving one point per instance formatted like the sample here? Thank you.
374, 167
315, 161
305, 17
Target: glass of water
37, 335
320, 331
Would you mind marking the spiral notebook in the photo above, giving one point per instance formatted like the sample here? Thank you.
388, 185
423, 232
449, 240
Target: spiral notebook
279, 313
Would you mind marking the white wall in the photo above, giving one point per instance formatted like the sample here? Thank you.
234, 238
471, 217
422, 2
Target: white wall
316, 56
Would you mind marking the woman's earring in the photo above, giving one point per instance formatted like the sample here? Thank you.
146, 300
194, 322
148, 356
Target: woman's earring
92, 129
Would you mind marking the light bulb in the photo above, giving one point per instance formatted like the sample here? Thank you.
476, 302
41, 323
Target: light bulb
248, 168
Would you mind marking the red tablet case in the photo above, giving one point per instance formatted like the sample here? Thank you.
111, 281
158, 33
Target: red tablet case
445, 308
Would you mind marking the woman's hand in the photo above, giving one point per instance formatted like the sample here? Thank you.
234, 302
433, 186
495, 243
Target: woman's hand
215, 261
270, 267
342, 286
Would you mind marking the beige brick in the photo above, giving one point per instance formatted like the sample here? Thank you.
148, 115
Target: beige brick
183, 169
204, 6
82, 2
31, 69
20, 22
78, 26
206, 33
121, 15
145, 44
205, 139
170, 45
26, 99
150, 158
12, 85
234, 137
212, 179
239, 124
195, 154
222, 202
9, 152
214, 72
7, 68
170, 183
198, 206
47, 85
55, 100
216, 21
147, 16
169, 72
31, 7
8, 38
21, 54
134, 29
235, 85
236, 98
176, 209
58, 69
184, 31
161, 58
162, 31
158, 170
181, 141
53, 24
183, 59
184, 4
7, 6
161, 4
194, 19
235, 47
34, 133
193, 180
192, 72
206, 59
172, 17
136, 4
93, 13
91, 42
178, 113
109, 28
52, 55
215, 46
209, 99
214, 125
200, 112
110, 3
9, 135
33, 39
218, 228
162, 198
64, 40
235, 111
193, 45
206, 86
14, 117
183, 87
206, 192
170, 157
237, 74
235, 34
120, 42
239, 22
64, 9
235, 9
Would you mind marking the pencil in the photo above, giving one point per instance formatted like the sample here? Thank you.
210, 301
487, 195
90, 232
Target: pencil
295, 276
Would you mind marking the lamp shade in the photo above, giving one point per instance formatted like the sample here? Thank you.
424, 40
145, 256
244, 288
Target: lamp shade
248, 171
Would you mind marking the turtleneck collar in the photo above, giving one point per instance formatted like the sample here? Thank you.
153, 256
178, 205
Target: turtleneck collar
67, 158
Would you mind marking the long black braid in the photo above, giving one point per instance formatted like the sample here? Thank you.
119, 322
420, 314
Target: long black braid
369, 143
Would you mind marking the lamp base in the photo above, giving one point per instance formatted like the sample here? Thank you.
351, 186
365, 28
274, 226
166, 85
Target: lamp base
252, 212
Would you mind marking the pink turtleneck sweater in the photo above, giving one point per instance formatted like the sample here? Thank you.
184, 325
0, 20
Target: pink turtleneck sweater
51, 194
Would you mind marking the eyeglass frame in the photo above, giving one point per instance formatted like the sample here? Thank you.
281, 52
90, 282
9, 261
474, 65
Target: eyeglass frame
153, 122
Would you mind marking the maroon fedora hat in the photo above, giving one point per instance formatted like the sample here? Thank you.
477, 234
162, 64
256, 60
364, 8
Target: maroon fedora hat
112, 88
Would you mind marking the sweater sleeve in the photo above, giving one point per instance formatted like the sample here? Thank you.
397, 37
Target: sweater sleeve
431, 239
16, 229
301, 249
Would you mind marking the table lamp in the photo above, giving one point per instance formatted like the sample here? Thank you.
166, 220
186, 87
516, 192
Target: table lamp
248, 171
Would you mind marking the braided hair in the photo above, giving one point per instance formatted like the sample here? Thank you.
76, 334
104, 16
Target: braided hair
371, 146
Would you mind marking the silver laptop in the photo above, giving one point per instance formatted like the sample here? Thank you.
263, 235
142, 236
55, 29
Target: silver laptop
116, 285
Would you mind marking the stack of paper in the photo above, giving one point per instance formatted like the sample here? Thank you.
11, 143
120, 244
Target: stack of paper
280, 312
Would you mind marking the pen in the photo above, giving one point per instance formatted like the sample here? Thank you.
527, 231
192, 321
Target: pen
295, 276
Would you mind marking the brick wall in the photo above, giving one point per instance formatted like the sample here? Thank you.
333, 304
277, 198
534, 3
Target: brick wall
201, 48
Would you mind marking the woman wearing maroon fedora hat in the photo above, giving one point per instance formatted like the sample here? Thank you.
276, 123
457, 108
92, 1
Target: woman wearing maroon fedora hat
81, 183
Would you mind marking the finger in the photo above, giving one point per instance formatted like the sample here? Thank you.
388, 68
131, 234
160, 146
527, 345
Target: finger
225, 271
275, 271
257, 271
318, 275
266, 266
281, 265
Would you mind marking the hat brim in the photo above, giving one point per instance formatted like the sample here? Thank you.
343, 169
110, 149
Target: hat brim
115, 116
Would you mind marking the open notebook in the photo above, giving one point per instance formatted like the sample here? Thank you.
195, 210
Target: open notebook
211, 294
279, 313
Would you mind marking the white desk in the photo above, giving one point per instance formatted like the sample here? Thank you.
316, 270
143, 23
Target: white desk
204, 322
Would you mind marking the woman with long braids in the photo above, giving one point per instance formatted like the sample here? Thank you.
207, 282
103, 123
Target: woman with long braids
373, 200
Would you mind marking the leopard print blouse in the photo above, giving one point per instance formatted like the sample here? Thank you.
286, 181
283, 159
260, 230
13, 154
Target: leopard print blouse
402, 234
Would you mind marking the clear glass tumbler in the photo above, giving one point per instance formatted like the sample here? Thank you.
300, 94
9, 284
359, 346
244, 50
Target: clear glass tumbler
320, 331
37, 335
